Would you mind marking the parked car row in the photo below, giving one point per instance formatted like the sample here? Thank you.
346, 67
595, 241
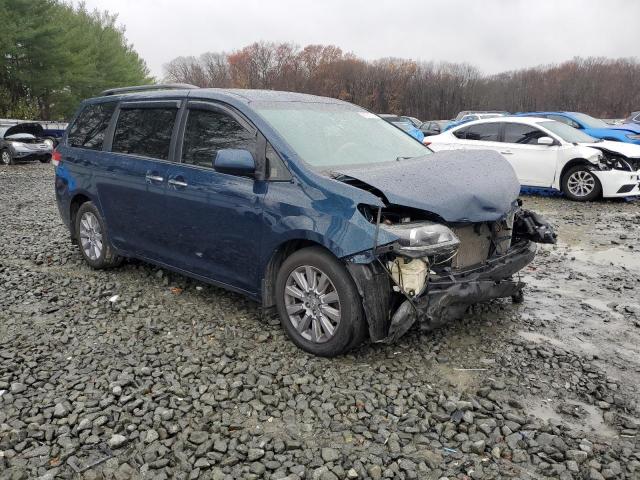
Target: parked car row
356, 230
594, 127
583, 157
405, 124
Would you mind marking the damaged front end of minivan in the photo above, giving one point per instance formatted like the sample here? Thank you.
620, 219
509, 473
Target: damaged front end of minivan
466, 248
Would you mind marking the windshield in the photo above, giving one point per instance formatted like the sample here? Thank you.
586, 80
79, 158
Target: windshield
567, 133
328, 135
589, 121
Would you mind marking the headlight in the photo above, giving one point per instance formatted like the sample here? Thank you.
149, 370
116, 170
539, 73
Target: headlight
421, 239
16, 144
48, 141
634, 136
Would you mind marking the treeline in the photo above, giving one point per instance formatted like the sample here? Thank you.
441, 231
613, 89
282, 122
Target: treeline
607, 88
52, 55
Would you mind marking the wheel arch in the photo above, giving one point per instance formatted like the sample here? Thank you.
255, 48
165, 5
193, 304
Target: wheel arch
569, 165
281, 252
74, 205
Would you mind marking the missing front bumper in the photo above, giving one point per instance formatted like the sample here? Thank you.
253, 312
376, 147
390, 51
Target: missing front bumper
446, 297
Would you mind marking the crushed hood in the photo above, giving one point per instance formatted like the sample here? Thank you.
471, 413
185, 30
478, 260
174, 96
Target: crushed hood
34, 129
458, 186
627, 149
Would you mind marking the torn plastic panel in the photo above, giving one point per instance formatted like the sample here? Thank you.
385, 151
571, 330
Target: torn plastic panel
441, 306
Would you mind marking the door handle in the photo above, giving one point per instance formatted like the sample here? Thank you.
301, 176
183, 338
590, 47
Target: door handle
507, 152
177, 183
153, 178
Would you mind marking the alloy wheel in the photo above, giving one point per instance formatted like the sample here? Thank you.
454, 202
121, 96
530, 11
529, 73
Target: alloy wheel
581, 183
6, 157
91, 236
312, 304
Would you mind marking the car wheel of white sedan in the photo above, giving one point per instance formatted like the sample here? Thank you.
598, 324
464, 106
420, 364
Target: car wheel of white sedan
580, 184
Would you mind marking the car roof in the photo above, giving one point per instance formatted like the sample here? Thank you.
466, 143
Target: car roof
556, 112
235, 94
512, 119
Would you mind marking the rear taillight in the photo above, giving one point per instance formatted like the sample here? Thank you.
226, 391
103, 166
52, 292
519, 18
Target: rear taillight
56, 158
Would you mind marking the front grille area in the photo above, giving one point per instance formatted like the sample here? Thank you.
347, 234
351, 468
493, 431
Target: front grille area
475, 245
479, 241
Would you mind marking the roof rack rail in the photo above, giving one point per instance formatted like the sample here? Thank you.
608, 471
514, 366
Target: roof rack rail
143, 88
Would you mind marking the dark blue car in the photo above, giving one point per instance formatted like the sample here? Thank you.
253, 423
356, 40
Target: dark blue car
319, 209
629, 133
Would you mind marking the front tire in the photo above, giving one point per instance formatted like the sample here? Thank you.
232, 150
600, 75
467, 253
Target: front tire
93, 240
581, 185
6, 158
319, 305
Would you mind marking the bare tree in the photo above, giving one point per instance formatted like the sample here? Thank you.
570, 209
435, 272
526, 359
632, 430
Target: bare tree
599, 86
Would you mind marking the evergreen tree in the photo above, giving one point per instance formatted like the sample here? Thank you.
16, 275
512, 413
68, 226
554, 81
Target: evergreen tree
52, 55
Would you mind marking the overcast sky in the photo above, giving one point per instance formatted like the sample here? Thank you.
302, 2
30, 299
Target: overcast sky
494, 35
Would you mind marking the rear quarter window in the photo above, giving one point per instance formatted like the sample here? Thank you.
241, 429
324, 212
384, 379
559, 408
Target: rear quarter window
89, 129
485, 132
461, 134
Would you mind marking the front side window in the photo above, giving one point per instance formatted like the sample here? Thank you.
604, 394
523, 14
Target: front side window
522, 134
144, 131
89, 128
485, 132
275, 166
208, 131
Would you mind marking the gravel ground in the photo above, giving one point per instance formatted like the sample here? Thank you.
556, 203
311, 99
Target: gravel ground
138, 373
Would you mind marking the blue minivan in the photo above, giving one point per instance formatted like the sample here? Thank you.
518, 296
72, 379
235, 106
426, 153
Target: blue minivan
316, 208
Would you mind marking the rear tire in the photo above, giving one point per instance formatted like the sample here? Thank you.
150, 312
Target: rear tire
6, 158
319, 305
581, 185
93, 240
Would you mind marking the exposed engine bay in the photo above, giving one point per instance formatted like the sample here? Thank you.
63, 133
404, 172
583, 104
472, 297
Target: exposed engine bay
439, 245
616, 161
471, 262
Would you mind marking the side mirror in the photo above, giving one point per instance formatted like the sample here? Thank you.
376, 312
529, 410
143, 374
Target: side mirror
235, 161
546, 141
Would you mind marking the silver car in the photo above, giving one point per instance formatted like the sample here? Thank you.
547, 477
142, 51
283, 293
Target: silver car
24, 142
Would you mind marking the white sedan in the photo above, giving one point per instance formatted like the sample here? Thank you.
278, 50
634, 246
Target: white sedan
550, 154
